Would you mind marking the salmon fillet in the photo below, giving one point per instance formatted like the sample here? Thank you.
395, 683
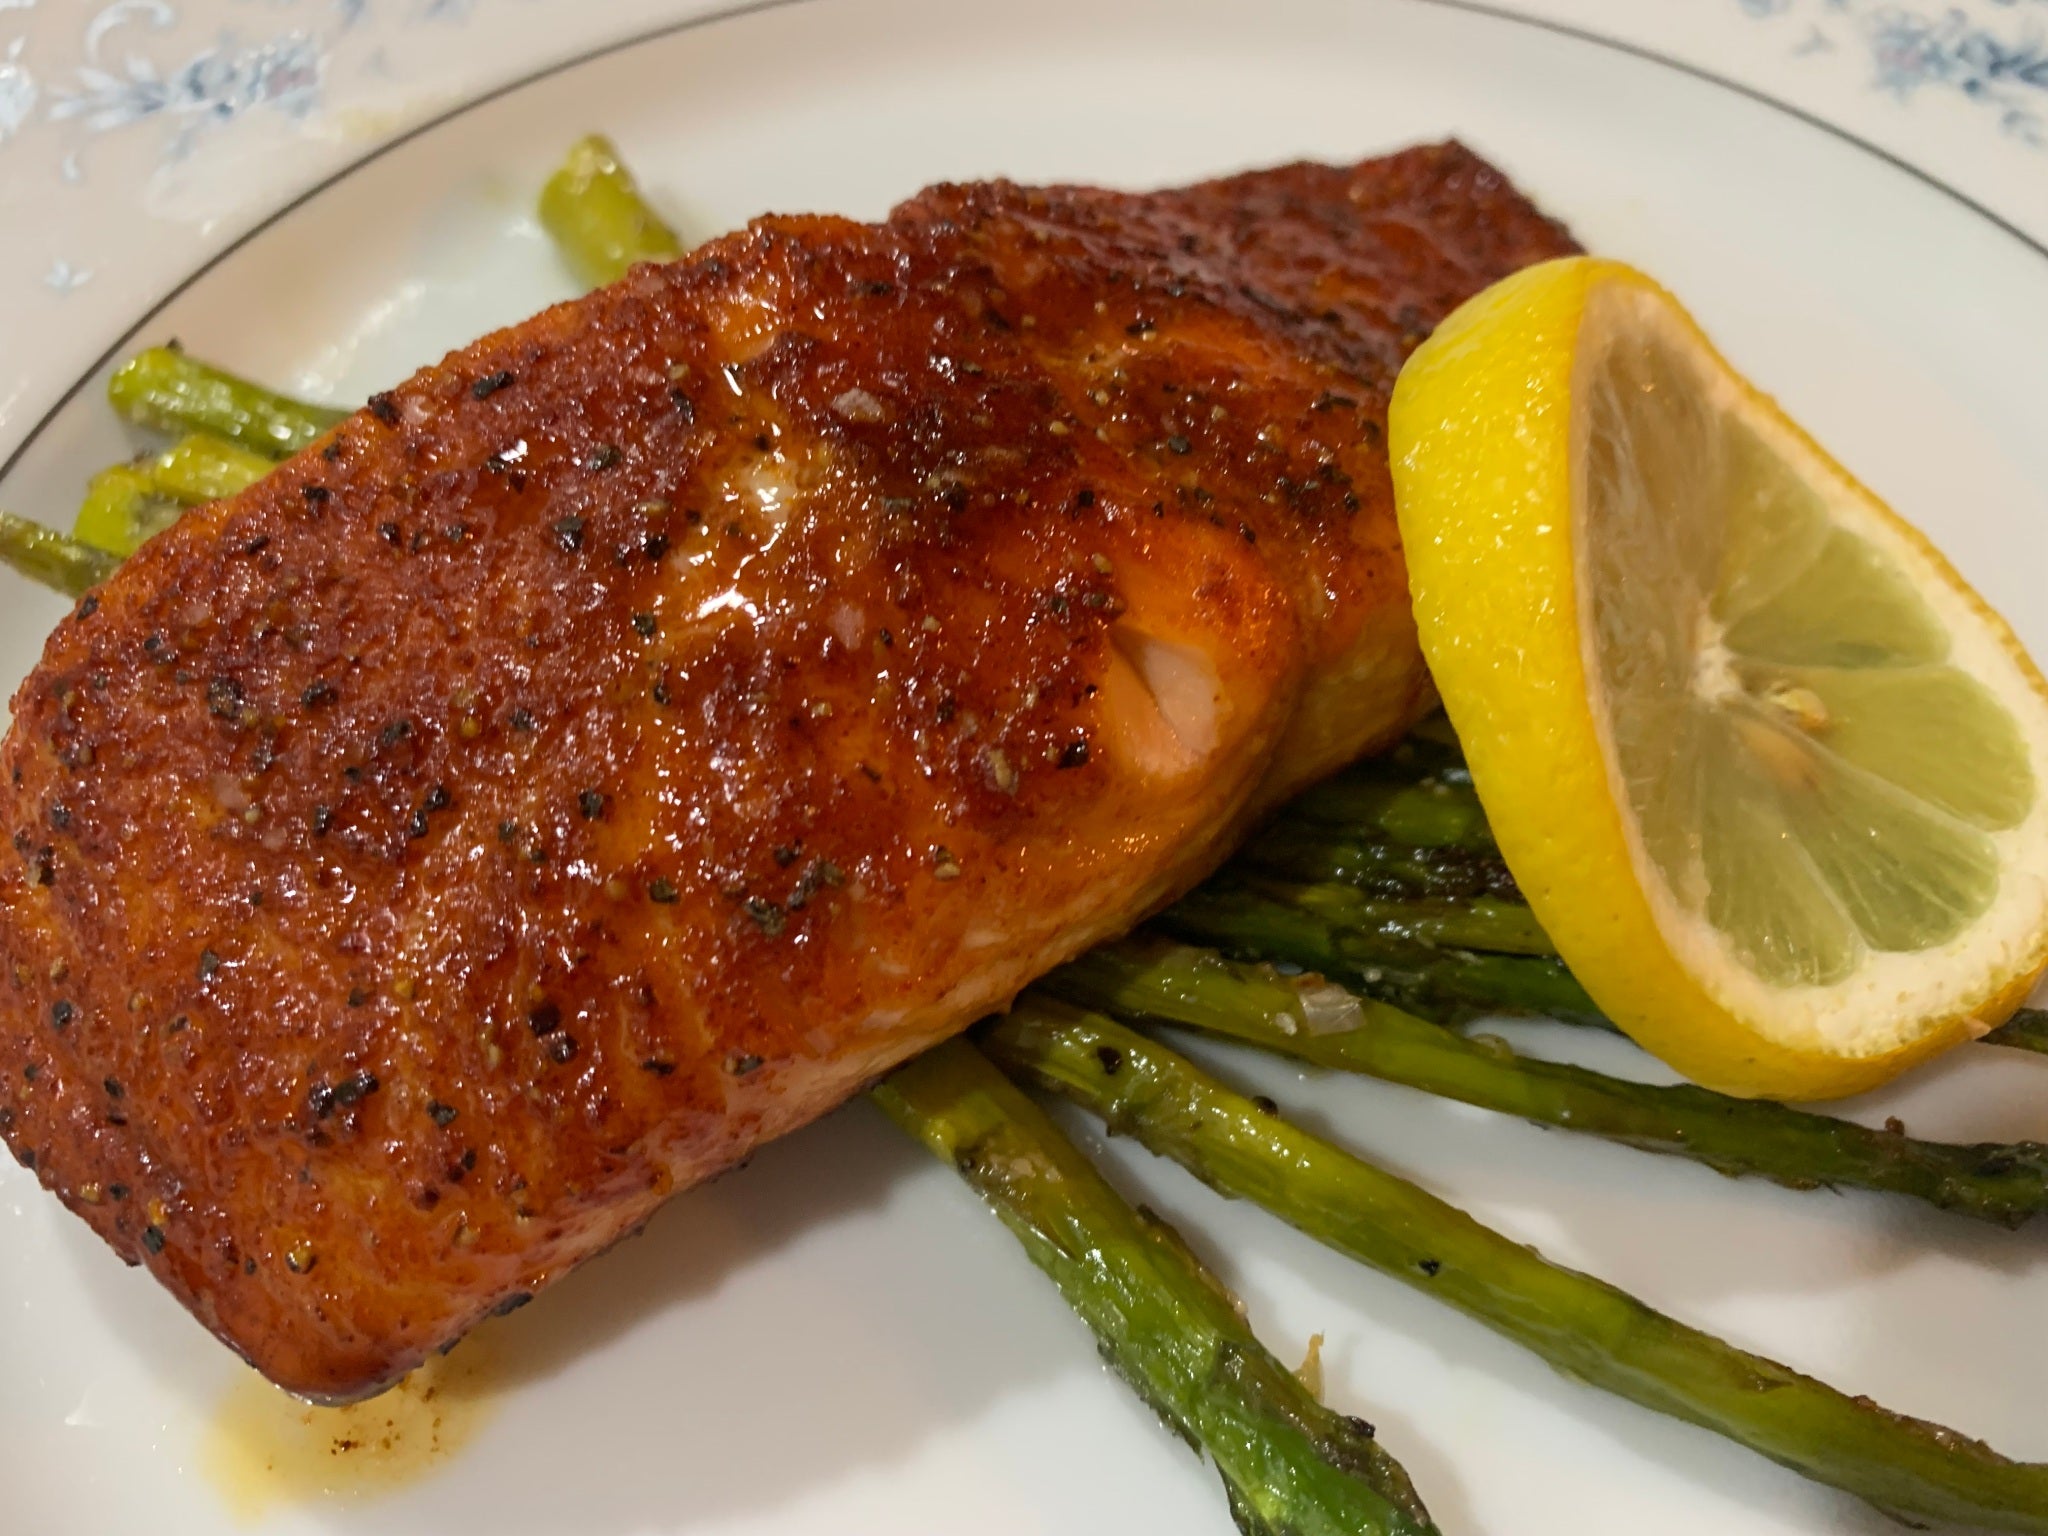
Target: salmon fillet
625, 739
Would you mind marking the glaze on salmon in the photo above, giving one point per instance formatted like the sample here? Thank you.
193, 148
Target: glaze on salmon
625, 739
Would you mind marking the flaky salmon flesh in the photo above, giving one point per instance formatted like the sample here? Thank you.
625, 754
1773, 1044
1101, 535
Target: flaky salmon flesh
628, 737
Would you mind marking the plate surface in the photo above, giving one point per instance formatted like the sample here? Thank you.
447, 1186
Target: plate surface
838, 1339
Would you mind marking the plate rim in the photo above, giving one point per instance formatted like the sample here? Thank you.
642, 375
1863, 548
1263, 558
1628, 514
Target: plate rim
744, 8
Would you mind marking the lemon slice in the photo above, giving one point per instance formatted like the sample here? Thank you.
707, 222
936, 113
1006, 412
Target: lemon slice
1768, 770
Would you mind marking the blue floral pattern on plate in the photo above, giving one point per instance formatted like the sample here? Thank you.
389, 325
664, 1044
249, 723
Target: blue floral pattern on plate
189, 84
17, 89
124, 78
1995, 53
213, 86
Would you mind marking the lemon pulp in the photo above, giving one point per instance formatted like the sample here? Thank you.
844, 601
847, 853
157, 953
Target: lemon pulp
1806, 767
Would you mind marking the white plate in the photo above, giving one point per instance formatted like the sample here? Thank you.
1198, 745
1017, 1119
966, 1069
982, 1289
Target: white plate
838, 1340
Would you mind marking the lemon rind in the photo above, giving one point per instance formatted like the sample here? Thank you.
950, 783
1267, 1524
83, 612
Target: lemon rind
1481, 425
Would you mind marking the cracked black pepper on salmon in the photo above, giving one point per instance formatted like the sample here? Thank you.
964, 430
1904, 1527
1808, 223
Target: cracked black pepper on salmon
622, 740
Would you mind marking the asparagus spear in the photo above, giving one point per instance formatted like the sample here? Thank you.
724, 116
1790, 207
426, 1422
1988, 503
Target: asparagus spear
590, 206
165, 389
1441, 811
1289, 1464
1484, 923
1583, 1326
46, 556
599, 221
121, 509
1310, 1019
1412, 941
1294, 848
236, 428
130, 503
1352, 847
201, 467
1330, 928
2026, 1030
